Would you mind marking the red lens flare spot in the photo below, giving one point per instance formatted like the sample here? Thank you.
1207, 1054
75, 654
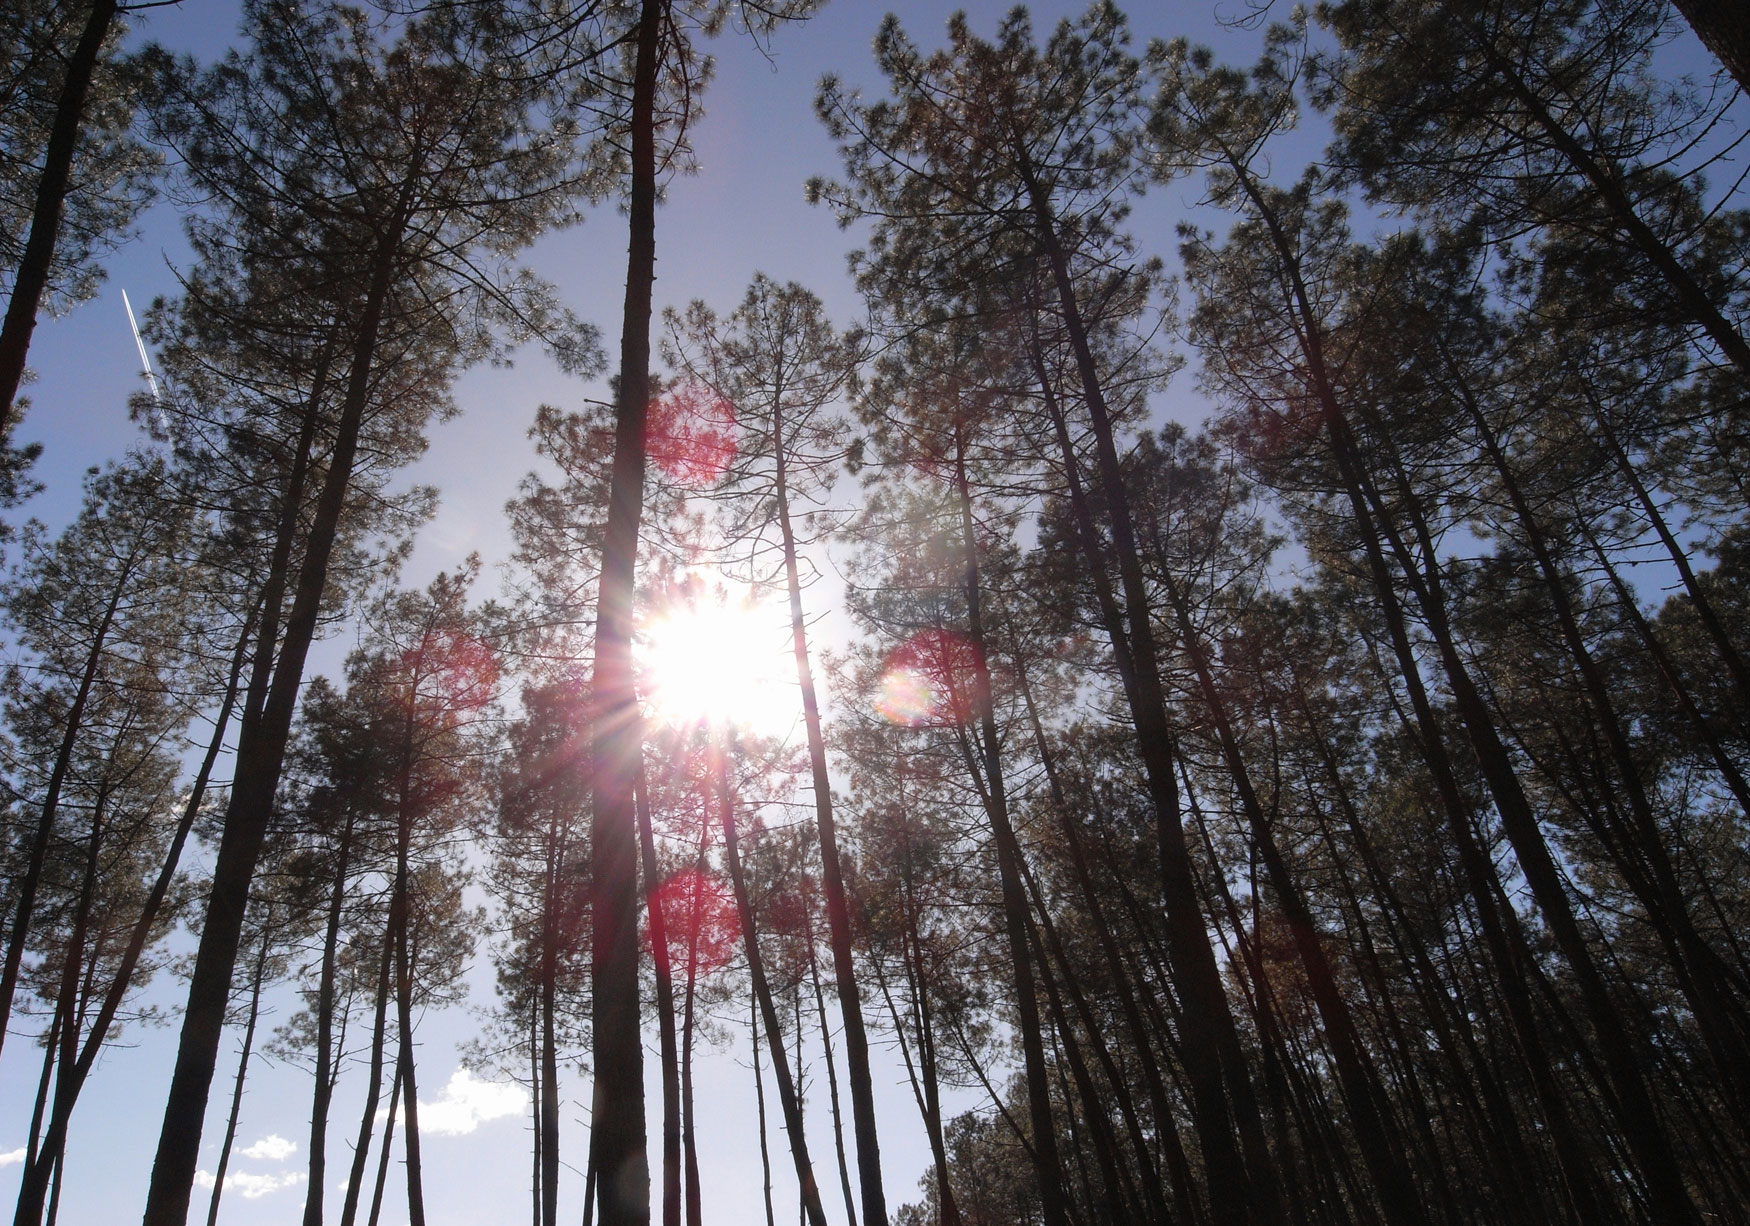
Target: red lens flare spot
929, 679
690, 434
698, 911
457, 672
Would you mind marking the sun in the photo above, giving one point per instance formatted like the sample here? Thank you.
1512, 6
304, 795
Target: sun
719, 656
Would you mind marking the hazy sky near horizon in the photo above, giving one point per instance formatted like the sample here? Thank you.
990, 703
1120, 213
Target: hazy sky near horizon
742, 212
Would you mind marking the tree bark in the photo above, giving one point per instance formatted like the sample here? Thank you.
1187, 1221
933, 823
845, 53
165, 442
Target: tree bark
617, 1132
1725, 28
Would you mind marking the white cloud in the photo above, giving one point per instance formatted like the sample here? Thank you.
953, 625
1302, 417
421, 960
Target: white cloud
468, 1102
13, 1158
251, 1187
272, 1148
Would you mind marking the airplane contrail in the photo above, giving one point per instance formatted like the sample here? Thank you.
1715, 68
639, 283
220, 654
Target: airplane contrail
139, 342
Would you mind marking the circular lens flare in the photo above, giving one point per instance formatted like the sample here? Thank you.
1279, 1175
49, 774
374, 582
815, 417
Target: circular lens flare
928, 679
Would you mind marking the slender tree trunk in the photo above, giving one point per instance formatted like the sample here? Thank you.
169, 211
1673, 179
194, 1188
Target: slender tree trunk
788, 1100
1237, 1195
1361, 1092
405, 1072
1008, 848
260, 756
242, 1067
1705, 612
617, 1130
537, 1097
1120, 1193
670, 1056
1094, 1104
838, 912
689, 1147
51, 1047
326, 1071
1639, 1123
373, 1082
924, 1088
1141, 1035
832, 1077
32, 276
759, 1092
382, 1183
1702, 974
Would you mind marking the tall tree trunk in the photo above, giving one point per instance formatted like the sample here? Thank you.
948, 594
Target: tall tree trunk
405, 1072
670, 1056
1702, 974
69, 1081
689, 1146
924, 1087
326, 1070
759, 1094
373, 1082
388, 1141
1051, 1192
838, 913
255, 982
1361, 1092
64, 1030
617, 1131
1141, 1035
1241, 1190
832, 1076
788, 1100
32, 277
261, 752
1639, 1123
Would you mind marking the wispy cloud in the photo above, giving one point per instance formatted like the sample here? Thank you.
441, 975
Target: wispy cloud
13, 1158
251, 1187
468, 1102
271, 1148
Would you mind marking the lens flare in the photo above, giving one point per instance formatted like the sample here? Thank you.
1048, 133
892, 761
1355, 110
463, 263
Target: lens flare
928, 679
725, 661
699, 914
690, 434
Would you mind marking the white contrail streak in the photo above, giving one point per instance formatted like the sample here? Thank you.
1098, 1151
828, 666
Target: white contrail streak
139, 342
